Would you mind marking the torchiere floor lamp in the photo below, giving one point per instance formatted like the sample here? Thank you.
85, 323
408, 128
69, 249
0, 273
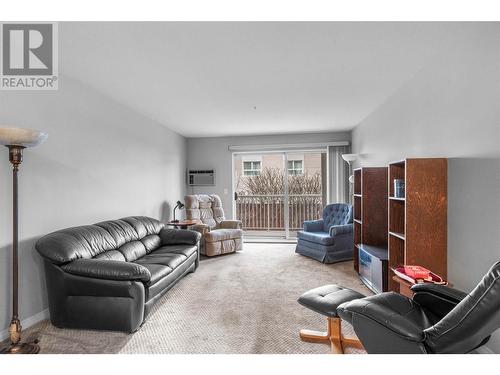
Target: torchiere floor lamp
349, 158
16, 140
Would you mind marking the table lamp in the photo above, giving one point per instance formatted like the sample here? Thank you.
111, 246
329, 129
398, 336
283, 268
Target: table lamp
179, 205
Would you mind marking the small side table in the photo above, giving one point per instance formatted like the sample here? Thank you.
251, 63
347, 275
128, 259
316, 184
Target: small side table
183, 224
405, 285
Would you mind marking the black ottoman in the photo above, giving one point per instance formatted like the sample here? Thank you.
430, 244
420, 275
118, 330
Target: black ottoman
325, 300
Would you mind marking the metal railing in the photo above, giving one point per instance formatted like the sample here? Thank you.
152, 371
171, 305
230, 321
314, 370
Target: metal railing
267, 212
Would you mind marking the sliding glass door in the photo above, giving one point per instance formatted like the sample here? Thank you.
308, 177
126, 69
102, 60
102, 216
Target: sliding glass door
259, 194
306, 188
275, 192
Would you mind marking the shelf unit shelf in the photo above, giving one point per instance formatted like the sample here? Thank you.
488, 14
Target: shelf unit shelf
401, 236
397, 199
370, 209
417, 224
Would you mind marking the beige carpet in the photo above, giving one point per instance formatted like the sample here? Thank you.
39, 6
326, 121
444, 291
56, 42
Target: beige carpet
237, 303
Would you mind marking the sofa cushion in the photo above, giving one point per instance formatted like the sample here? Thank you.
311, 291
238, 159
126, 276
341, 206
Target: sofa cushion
157, 272
90, 241
166, 282
177, 249
151, 242
131, 228
121, 231
81, 242
322, 238
223, 234
143, 225
166, 259
110, 255
133, 250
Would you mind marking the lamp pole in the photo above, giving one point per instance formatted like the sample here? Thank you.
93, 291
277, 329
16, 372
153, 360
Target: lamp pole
15, 347
16, 140
16, 158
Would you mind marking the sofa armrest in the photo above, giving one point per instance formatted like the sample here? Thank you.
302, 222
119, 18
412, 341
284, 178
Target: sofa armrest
108, 269
443, 291
337, 230
179, 237
438, 299
230, 224
313, 226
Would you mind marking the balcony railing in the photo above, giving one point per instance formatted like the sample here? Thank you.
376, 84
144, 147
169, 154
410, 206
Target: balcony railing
267, 212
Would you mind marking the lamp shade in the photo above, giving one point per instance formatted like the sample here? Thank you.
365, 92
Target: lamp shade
349, 157
21, 137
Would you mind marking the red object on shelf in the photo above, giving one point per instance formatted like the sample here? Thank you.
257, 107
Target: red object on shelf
417, 272
430, 276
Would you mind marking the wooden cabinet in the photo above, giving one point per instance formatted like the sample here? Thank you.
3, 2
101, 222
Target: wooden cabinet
370, 212
418, 221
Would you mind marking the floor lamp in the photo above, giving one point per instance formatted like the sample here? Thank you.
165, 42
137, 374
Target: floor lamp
16, 140
349, 158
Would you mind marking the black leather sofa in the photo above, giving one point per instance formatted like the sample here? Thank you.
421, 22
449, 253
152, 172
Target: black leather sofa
107, 276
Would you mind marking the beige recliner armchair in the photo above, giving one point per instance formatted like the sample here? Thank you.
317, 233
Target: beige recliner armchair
219, 236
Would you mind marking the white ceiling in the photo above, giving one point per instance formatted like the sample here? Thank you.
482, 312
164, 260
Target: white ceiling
238, 78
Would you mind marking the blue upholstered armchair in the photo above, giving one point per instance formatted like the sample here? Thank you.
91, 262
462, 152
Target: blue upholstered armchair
330, 239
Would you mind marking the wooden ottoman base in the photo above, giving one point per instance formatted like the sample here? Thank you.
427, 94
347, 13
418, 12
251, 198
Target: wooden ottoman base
333, 335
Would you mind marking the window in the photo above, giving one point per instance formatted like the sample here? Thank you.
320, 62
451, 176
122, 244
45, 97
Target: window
295, 167
251, 168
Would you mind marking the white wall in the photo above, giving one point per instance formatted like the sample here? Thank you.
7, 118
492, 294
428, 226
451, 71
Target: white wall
207, 153
451, 109
101, 161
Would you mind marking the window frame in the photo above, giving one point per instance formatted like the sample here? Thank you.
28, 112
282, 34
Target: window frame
293, 171
252, 171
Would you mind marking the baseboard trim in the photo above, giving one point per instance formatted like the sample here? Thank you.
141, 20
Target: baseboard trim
269, 240
28, 322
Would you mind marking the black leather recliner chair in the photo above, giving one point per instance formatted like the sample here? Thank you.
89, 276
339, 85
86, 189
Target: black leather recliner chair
108, 275
437, 320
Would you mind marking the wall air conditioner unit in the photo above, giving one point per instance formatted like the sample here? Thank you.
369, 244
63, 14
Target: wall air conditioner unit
197, 177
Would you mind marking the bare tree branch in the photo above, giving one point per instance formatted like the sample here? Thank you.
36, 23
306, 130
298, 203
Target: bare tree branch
271, 182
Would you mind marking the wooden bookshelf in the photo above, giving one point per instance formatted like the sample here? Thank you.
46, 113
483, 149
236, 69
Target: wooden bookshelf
370, 209
418, 222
